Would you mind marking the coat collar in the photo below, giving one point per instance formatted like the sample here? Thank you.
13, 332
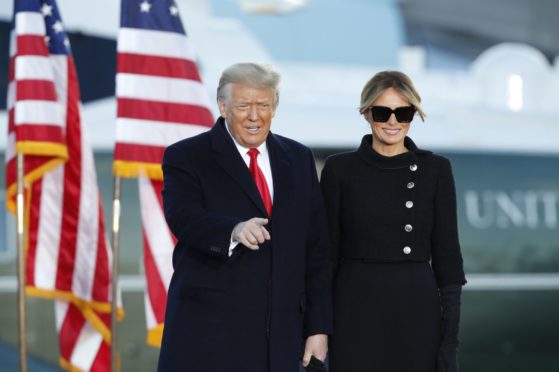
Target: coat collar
230, 160
368, 154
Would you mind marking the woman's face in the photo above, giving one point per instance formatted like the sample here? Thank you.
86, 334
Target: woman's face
390, 133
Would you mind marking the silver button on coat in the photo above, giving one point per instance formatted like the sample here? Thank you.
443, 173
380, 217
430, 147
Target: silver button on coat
407, 250
408, 227
413, 167
411, 185
409, 204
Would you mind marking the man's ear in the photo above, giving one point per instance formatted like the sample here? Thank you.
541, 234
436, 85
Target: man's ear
221, 106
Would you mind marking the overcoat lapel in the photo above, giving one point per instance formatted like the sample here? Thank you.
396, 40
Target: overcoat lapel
230, 160
282, 175
280, 164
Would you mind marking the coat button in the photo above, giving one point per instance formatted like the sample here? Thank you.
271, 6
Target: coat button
411, 185
413, 167
408, 227
409, 204
407, 250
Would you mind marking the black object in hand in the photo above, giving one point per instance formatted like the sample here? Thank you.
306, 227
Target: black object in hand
316, 365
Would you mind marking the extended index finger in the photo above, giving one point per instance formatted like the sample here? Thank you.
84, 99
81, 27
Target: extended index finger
260, 221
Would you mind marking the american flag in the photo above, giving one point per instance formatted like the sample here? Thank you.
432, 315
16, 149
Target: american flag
161, 100
67, 254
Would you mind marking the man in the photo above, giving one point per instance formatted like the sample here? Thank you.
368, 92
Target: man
251, 288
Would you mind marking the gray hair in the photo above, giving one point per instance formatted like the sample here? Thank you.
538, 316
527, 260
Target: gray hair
255, 74
390, 79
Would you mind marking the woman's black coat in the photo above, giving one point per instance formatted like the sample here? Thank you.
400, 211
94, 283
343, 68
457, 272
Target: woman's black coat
407, 212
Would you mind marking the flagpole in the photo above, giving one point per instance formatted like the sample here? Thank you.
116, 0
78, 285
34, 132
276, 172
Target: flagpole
20, 237
115, 271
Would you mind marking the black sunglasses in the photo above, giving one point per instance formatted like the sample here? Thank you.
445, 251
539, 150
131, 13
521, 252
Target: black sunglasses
403, 114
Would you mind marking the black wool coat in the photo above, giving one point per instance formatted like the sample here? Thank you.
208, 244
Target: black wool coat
394, 209
250, 312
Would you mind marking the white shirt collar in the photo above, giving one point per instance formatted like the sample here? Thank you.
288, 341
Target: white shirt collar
263, 160
263, 148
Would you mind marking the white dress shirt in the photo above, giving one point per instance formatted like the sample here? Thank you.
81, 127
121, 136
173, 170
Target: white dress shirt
263, 160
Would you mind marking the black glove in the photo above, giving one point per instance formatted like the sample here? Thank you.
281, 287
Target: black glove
450, 311
447, 361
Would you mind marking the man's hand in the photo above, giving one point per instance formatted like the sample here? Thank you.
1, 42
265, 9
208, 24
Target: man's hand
252, 232
316, 345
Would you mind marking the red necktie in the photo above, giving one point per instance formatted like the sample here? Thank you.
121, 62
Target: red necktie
260, 180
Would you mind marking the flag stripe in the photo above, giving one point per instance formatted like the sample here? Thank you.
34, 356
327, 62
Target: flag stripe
13, 47
34, 68
11, 95
164, 111
102, 276
33, 223
87, 213
35, 90
139, 153
70, 208
38, 113
154, 43
103, 358
154, 88
157, 66
73, 322
32, 45
10, 148
156, 289
11, 123
30, 23
39, 133
48, 242
86, 348
156, 230
154, 133
60, 310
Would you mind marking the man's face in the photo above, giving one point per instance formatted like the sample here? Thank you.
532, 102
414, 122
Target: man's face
248, 111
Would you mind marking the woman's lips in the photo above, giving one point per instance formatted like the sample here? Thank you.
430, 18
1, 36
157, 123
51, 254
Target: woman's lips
390, 131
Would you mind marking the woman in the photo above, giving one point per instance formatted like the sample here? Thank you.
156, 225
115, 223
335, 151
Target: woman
398, 266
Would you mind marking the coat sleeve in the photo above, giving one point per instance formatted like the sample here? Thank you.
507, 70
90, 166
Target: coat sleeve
331, 191
318, 318
446, 256
183, 204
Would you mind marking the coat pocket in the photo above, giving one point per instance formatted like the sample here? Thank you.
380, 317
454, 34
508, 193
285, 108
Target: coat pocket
199, 293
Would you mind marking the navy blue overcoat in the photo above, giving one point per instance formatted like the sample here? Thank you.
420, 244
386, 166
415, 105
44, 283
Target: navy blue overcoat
249, 312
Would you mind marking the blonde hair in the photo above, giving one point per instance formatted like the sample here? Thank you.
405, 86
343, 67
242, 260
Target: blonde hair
384, 80
258, 75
